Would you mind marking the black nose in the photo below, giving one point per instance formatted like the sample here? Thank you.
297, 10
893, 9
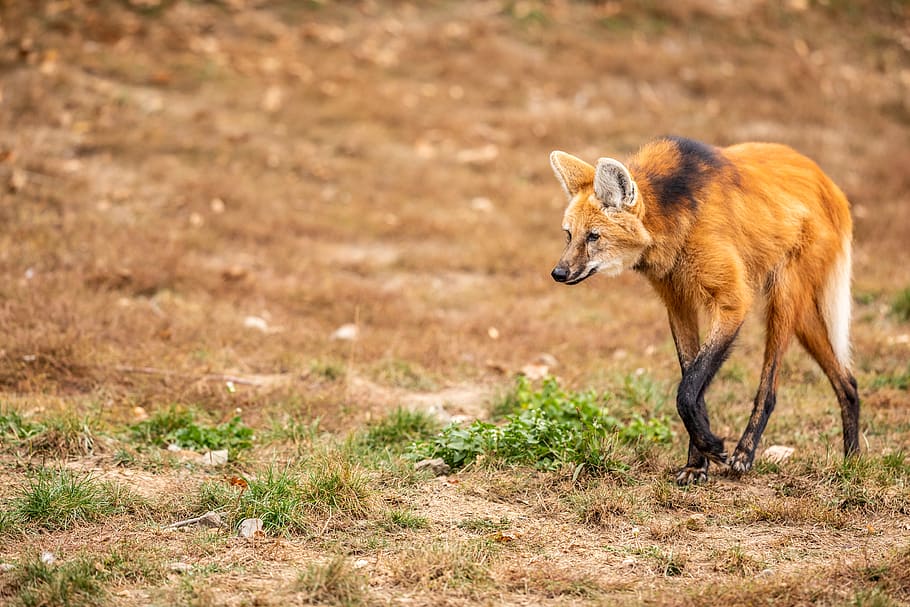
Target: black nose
560, 274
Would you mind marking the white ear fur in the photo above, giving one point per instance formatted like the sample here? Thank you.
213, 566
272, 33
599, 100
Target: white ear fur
613, 184
572, 173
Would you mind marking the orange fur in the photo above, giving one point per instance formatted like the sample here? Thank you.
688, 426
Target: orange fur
712, 229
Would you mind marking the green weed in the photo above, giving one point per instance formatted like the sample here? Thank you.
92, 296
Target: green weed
547, 428
15, 427
179, 426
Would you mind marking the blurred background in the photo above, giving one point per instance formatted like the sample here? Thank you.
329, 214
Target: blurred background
344, 205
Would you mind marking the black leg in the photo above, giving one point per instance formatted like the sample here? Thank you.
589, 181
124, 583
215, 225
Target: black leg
690, 401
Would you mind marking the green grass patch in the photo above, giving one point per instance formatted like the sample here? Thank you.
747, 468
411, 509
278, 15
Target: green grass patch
292, 500
484, 524
57, 436
898, 380
399, 429
404, 374
404, 519
547, 428
14, 427
59, 499
80, 580
180, 426
900, 306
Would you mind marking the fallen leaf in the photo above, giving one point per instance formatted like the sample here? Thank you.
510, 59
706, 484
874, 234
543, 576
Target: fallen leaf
236, 481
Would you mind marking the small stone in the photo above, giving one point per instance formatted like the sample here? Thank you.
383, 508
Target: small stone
250, 527
361, 563
346, 332
214, 458
437, 466
211, 519
48, 558
482, 204
17, 180
493, 333
777, 454
180, 567
478, 156
4, 567
535, 372
256, 322
547, 359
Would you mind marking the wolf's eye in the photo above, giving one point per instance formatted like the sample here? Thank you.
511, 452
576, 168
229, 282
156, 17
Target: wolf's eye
568, 236
593, 236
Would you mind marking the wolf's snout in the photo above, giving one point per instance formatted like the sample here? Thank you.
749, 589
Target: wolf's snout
560, 274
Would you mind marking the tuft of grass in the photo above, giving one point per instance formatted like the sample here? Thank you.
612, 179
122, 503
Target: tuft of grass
291, 500
73, 583
484, 524
60, 499
404, 519
179, 426
601, 504
663, 562
399, 429
736, 561
446, 565
333, 485
275, 497
900, 306
64, 435
548, 428
80, 580
328, 370
406, 375
333, 583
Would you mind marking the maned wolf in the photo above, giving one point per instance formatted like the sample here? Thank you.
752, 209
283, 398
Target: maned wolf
712, 228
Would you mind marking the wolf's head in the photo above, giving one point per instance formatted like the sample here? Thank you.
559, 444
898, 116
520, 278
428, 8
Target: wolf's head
604, 232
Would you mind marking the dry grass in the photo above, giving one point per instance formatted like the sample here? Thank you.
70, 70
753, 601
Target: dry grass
196, 195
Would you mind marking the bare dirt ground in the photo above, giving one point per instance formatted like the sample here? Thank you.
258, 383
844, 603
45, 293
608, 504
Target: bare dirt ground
195, 196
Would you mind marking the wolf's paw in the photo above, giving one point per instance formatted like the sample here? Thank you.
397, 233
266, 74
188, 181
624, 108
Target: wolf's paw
740, 462
691, 475
718, 457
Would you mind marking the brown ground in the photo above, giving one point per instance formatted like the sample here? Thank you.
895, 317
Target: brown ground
197, 192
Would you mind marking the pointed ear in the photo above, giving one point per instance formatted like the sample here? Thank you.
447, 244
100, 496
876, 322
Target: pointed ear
613, 184
573, 173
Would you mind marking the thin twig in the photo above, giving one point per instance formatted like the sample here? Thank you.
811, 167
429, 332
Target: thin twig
246, 381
